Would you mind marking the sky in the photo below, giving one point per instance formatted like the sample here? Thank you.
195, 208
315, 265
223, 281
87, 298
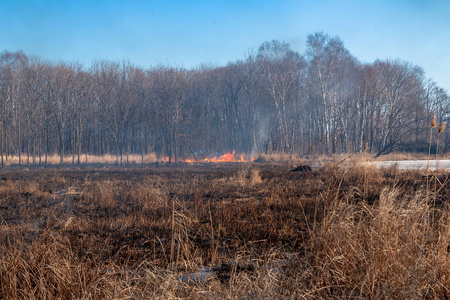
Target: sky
190, 33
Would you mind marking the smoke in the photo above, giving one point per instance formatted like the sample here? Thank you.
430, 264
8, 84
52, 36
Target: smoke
261, 136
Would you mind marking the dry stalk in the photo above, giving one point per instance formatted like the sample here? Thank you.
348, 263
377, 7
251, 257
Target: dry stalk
433, 125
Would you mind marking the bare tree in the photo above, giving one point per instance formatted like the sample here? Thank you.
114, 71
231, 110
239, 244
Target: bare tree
117, 104
399, 86
273, 100
170, 90
281, 69
330, 66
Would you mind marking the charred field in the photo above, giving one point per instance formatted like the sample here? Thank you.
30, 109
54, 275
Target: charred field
231, 230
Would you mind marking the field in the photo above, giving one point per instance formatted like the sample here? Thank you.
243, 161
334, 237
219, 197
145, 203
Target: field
230, 230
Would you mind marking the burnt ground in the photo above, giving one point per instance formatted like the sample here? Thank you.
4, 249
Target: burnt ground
132, 206
183, 216
233, 205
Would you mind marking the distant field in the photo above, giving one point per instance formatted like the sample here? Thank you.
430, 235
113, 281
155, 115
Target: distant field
232, 230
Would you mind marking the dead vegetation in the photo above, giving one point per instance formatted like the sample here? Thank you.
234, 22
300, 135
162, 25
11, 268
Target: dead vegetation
223, 231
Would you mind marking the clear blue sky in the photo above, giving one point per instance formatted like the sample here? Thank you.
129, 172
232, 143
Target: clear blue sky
188, 33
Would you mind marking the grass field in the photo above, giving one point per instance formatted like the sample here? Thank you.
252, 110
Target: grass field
233, 230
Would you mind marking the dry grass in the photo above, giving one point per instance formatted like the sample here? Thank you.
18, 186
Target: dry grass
54, 159
389, 250
290, 160
230, 231
276, 157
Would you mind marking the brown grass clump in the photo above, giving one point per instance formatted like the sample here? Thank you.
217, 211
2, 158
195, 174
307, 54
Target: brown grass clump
389, 250
275, 157
206, 231
255, 177
246, 177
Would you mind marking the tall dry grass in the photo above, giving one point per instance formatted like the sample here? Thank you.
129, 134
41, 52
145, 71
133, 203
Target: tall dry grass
391, 250
54, 159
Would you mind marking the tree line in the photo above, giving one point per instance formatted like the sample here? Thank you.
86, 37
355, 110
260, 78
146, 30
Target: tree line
273, 100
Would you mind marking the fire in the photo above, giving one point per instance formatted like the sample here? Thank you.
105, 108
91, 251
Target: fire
229, 157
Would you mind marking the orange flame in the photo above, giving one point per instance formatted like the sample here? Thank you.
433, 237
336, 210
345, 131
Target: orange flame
229, 157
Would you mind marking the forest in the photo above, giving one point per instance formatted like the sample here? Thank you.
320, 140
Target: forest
274, 100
